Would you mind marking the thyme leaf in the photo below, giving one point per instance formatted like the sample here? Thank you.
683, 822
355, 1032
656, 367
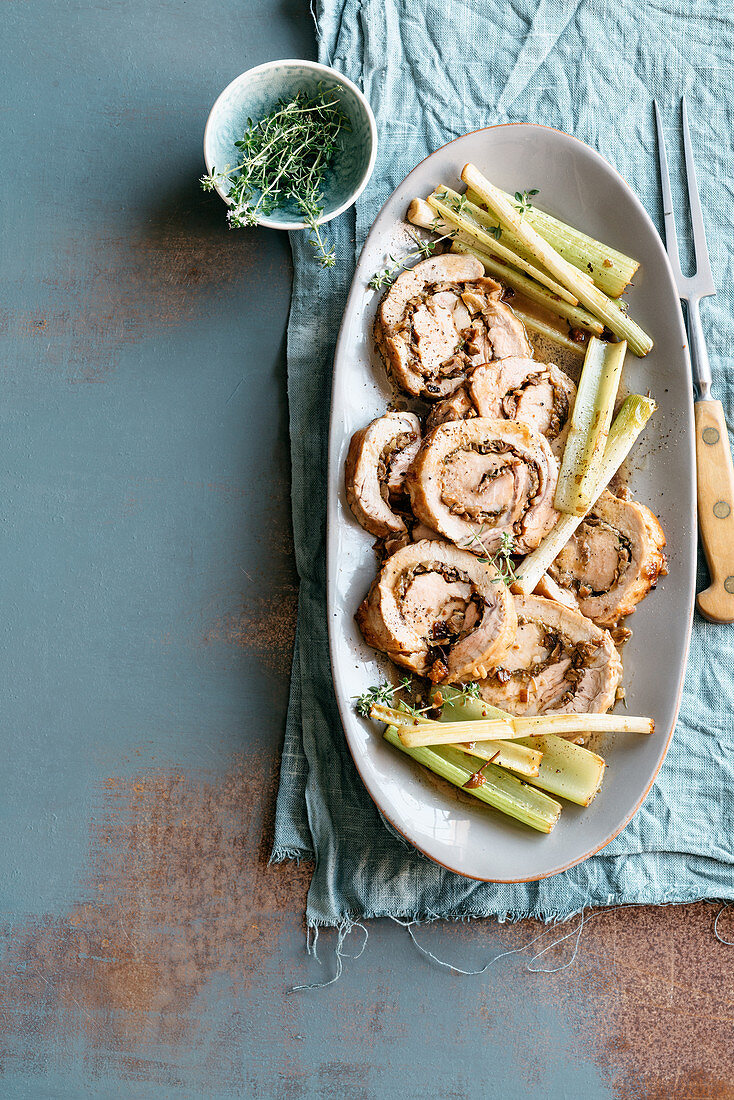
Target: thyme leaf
523, 200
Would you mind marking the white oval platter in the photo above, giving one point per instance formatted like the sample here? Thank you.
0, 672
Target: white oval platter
449, 826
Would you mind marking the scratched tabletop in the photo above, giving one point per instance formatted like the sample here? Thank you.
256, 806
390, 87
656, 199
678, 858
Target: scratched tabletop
149, 596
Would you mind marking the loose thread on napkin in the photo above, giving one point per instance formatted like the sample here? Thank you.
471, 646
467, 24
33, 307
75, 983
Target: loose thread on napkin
344, 930
720, 938
517, 950
312, 935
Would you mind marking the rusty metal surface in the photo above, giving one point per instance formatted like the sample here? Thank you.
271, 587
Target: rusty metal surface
149, 601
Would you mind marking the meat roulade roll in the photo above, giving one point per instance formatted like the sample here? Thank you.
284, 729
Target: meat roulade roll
559, 661
441, 318
538, 394
377, 462
440, 612
612, 560
481, 482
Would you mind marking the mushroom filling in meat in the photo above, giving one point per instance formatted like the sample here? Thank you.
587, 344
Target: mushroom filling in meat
489, 480
558, 661
612, 560
393, 466
540, 403
594, 560
440, 603
439, 320
546, 662
445, 332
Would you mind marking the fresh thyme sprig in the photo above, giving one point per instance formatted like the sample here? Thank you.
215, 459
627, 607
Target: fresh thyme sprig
501, 559
380, 694
283, 157
523, 199
463, 693
423, 249
470, 690
496, 231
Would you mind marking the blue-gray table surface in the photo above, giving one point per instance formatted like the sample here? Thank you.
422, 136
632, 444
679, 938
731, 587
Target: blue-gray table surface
149, 598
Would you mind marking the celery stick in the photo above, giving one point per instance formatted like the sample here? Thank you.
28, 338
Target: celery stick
422, 732
421, 214
521, 759
500, 789
487, 221
567, 770
628, 424
413, 731
418, 734
591, 418
458, 705
611, 270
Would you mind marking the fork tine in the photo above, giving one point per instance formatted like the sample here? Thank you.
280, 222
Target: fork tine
671, 237
703, 265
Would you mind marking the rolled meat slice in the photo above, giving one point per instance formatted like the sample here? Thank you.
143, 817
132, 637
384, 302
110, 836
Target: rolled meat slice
518, 388
612, 560
559, 662
485, 484
377, 462
440, 612
441, 318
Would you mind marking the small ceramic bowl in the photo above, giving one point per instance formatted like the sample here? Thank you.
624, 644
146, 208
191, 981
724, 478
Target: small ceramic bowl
256, 92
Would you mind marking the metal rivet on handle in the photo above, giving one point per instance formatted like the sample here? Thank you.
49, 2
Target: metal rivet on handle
710, 436
729, 585
722, 509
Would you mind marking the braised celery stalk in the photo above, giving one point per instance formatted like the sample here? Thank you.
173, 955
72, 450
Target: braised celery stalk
446, 204
523, 760
610, 269
461, 705
542, 328
487, 221
492, 785
577, 316
572, 723
590, 421
414, 730
566, 770
505, 753
628, 424
422, 215
415, 733
595, 300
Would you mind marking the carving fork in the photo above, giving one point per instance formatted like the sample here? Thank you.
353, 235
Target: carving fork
714, 467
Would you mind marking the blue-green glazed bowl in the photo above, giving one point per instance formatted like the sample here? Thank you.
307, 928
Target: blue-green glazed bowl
253, 94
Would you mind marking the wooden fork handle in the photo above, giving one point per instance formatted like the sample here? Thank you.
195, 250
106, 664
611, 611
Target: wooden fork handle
715, 472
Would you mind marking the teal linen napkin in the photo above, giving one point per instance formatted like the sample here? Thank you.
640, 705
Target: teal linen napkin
432, 72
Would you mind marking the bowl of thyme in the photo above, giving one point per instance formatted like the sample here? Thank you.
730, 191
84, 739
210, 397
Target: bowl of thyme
290, 145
